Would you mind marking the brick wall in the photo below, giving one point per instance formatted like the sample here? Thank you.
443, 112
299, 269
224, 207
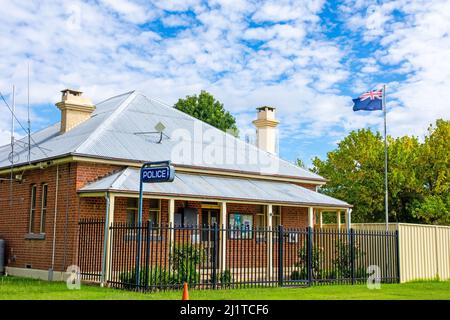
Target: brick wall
14, 219
37, 253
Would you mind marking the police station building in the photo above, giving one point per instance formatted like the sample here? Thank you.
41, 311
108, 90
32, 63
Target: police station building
88, 166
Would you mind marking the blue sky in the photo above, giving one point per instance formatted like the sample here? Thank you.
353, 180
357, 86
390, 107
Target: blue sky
307, 58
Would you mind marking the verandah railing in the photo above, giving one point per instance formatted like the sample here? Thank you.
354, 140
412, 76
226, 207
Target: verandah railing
214, 257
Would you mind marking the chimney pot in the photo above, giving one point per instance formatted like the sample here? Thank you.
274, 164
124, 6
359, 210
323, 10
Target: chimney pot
75, 109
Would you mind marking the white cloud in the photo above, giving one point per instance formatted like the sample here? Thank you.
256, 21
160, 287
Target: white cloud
246, 53
131, 11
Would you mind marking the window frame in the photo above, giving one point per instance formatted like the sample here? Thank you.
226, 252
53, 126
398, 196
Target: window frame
135, 209
44, 186
32, 212
156, 232
261, 236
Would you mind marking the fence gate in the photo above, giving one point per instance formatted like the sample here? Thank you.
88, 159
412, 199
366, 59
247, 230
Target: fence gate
90, 248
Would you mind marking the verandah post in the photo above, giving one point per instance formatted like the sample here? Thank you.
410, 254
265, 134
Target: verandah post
280, 253
269, 242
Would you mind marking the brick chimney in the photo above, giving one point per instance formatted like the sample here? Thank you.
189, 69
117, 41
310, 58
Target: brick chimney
266, 129
75, 109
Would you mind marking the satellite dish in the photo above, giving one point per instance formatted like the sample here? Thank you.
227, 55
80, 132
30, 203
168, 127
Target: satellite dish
160, 127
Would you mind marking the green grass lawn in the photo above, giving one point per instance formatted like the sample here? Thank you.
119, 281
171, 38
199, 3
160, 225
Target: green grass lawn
19, 288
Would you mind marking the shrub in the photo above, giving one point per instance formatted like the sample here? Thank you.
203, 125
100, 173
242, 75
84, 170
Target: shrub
225, 278
158, 277
342, 262
185, 259
316, 263
301, 274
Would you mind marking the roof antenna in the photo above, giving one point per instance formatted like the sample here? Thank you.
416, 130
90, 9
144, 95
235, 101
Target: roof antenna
12, 145
159, 130
29, 124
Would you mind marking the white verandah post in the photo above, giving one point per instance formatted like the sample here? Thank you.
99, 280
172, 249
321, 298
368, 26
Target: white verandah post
348, 219
223, 219
269, 237
311, 217
110, 200
171, 222
338, 219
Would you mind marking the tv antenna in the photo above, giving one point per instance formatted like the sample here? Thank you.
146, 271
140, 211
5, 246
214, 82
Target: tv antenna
28, 113
12, 155
159, 127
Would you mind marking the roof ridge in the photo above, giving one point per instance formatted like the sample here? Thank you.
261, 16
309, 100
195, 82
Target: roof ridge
105, 124
116, 96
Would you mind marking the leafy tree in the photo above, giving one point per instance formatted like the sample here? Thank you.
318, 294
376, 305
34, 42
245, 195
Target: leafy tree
418, 175
206, 108
434, 164
355, 173
301, 163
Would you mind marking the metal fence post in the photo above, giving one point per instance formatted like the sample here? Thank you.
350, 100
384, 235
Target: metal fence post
310, 251
280, 254
352, 255
215, 256
397, 254
147, 255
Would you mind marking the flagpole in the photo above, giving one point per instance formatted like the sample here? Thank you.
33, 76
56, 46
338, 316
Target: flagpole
386, 201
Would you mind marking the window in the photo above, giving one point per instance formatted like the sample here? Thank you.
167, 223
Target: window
276, 216
261, 217
32, 207
43, 207
132, 210
154, 216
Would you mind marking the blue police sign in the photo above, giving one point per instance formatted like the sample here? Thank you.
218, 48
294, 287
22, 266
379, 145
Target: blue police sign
150, 172
157, 174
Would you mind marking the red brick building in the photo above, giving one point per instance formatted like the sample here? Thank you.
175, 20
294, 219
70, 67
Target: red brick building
87, 165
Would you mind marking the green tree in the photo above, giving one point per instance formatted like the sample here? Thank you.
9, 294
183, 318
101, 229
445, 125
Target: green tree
355, 173
206, 108
301, 163
434, 164
418, 175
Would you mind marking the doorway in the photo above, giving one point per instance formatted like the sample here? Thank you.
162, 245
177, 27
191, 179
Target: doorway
208, 219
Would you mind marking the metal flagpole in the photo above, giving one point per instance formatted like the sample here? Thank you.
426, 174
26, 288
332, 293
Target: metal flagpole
386, 202
386, 199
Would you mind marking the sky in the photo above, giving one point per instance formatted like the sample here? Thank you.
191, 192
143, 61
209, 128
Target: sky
307, 58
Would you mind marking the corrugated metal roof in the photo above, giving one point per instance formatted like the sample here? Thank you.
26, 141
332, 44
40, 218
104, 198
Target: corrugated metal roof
216, 187
112, 132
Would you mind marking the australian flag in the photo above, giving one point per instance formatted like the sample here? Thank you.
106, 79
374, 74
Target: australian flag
370, 101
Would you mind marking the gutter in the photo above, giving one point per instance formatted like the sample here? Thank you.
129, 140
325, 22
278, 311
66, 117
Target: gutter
177, 196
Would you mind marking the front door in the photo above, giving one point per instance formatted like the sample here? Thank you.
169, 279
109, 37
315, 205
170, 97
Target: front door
209, 218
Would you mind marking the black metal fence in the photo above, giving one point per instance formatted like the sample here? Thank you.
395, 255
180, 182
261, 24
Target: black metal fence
213, 257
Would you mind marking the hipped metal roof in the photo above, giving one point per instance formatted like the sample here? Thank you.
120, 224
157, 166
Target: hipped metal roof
215, 187
113, 133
